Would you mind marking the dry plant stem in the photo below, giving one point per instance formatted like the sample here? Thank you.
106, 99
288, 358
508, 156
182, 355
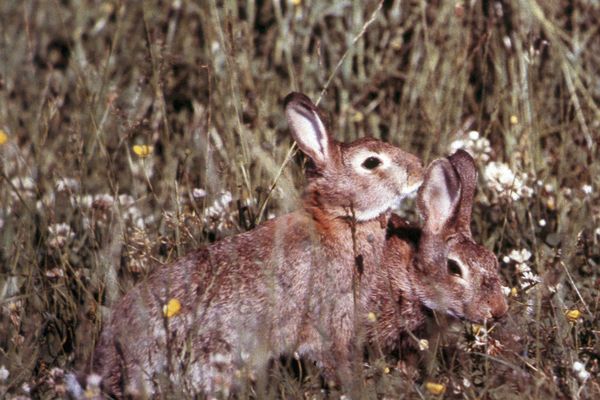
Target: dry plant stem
233, 83
156, 79
577, 105
572, 282
16, 191
178, 215
341, 61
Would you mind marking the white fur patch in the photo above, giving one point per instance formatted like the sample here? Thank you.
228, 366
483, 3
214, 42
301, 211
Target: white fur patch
376, 212
411, 191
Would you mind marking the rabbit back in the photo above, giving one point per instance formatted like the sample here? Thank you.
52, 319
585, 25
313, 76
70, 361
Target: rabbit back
278, 289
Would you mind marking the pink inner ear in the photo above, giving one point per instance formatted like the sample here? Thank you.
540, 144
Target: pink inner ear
439, 195
307, 129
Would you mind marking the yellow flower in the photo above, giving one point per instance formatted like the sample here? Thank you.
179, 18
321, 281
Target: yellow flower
372, 317
358, 117
296, 2
435, 388
3, 137
573, 315
514, 292
386, 370
172, 308
423, 344
143, 150
514, 120
91, 393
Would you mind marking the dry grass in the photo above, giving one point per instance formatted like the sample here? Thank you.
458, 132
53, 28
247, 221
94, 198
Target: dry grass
82, 82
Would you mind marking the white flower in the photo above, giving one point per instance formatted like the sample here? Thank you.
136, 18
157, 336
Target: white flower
505, 182
457, 144
583, 376
25, 186
520, 256
530, 310
103, 201
587, 189
84, 201
59, 235
554, 288
580, 372
479, 147
531, 277
55, 273
542, 222
198, 193
126, 200
225, 198
67, 185
220, 205
4, 373
505, 290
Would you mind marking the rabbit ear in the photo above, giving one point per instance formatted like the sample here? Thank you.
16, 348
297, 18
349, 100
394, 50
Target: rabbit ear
439, 195
307, 128
464, 165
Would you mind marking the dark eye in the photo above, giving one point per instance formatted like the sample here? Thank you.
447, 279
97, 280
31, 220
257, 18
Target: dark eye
454, 268
371, 163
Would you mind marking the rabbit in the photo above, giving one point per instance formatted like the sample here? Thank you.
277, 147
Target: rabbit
286, 287
439, 267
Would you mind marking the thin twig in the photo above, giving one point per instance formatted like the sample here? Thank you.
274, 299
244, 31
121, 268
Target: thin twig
576, 289
341, 61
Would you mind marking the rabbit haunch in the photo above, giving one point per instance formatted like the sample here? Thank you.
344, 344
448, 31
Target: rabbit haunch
284, 287
440, 266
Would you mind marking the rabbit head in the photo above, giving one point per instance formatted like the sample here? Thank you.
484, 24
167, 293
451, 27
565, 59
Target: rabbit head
454, 274
362, 179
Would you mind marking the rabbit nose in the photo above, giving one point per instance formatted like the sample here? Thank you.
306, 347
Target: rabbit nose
498, 307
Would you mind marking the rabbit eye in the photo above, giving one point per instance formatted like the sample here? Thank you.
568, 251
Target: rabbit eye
454, 268
371, 163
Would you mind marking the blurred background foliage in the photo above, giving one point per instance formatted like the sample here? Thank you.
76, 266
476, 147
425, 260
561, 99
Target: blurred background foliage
84, 214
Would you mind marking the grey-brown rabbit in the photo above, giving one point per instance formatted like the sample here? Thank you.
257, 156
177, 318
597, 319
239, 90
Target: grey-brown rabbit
284, 287
439, 267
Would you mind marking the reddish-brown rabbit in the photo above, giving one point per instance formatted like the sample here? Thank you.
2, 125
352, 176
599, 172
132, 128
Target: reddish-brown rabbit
440, 266
284, 287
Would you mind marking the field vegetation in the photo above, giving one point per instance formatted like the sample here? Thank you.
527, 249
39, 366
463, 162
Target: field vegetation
134, 131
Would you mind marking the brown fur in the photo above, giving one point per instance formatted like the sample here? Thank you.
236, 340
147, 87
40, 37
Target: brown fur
416, 273
284, 287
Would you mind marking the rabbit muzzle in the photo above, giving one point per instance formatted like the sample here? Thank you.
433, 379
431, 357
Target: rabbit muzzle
498, 306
